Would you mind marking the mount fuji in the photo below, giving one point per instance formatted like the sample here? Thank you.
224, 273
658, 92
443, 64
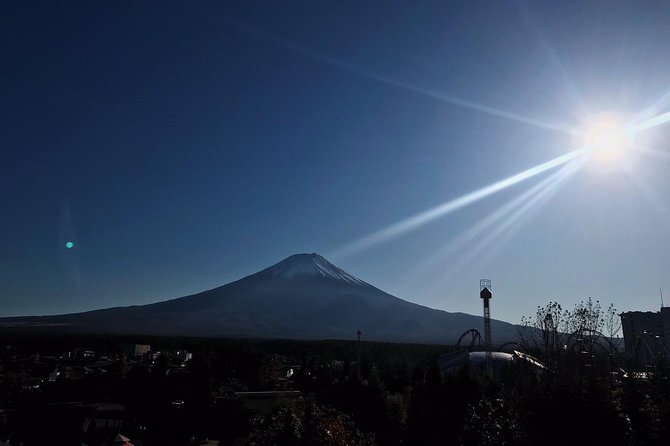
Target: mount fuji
302, 297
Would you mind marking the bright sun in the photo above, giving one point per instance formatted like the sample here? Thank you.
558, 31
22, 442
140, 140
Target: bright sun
608, 138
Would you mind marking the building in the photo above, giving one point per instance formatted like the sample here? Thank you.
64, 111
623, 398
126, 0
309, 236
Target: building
136, 350
646, 334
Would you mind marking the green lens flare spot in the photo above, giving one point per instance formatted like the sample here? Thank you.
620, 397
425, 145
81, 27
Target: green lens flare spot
69, 245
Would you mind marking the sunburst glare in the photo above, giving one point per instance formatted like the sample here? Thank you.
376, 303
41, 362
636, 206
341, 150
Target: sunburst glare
488, 245
411, 223
608, 139
437, 258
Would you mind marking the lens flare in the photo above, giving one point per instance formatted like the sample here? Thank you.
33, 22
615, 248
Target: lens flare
608, 138
411, 223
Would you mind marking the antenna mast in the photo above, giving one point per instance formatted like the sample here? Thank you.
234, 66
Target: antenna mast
485, 294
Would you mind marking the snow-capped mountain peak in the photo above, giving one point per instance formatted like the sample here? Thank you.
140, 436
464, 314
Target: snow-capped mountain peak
310, 265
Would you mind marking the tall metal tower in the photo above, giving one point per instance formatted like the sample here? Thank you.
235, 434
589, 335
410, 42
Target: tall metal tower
486, 295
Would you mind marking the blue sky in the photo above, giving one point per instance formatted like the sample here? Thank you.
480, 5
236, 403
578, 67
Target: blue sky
183, 145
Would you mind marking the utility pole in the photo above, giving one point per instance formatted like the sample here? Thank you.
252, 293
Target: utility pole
358, 353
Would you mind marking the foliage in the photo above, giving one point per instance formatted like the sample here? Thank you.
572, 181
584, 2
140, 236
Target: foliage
357, 393
306, 422
492, 422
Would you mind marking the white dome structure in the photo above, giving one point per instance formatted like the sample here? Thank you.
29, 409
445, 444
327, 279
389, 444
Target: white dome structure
452, 363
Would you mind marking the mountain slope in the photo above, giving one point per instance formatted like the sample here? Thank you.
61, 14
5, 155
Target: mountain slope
304, 296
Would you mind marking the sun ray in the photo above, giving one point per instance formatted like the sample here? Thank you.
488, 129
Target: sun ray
657, 120
341, 64
536, 29
654, 109
501, 234
437, 257
411, 223
505, 232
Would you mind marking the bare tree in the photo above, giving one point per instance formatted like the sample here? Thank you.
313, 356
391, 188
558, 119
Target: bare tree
545, 332
612, 323
554, 332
